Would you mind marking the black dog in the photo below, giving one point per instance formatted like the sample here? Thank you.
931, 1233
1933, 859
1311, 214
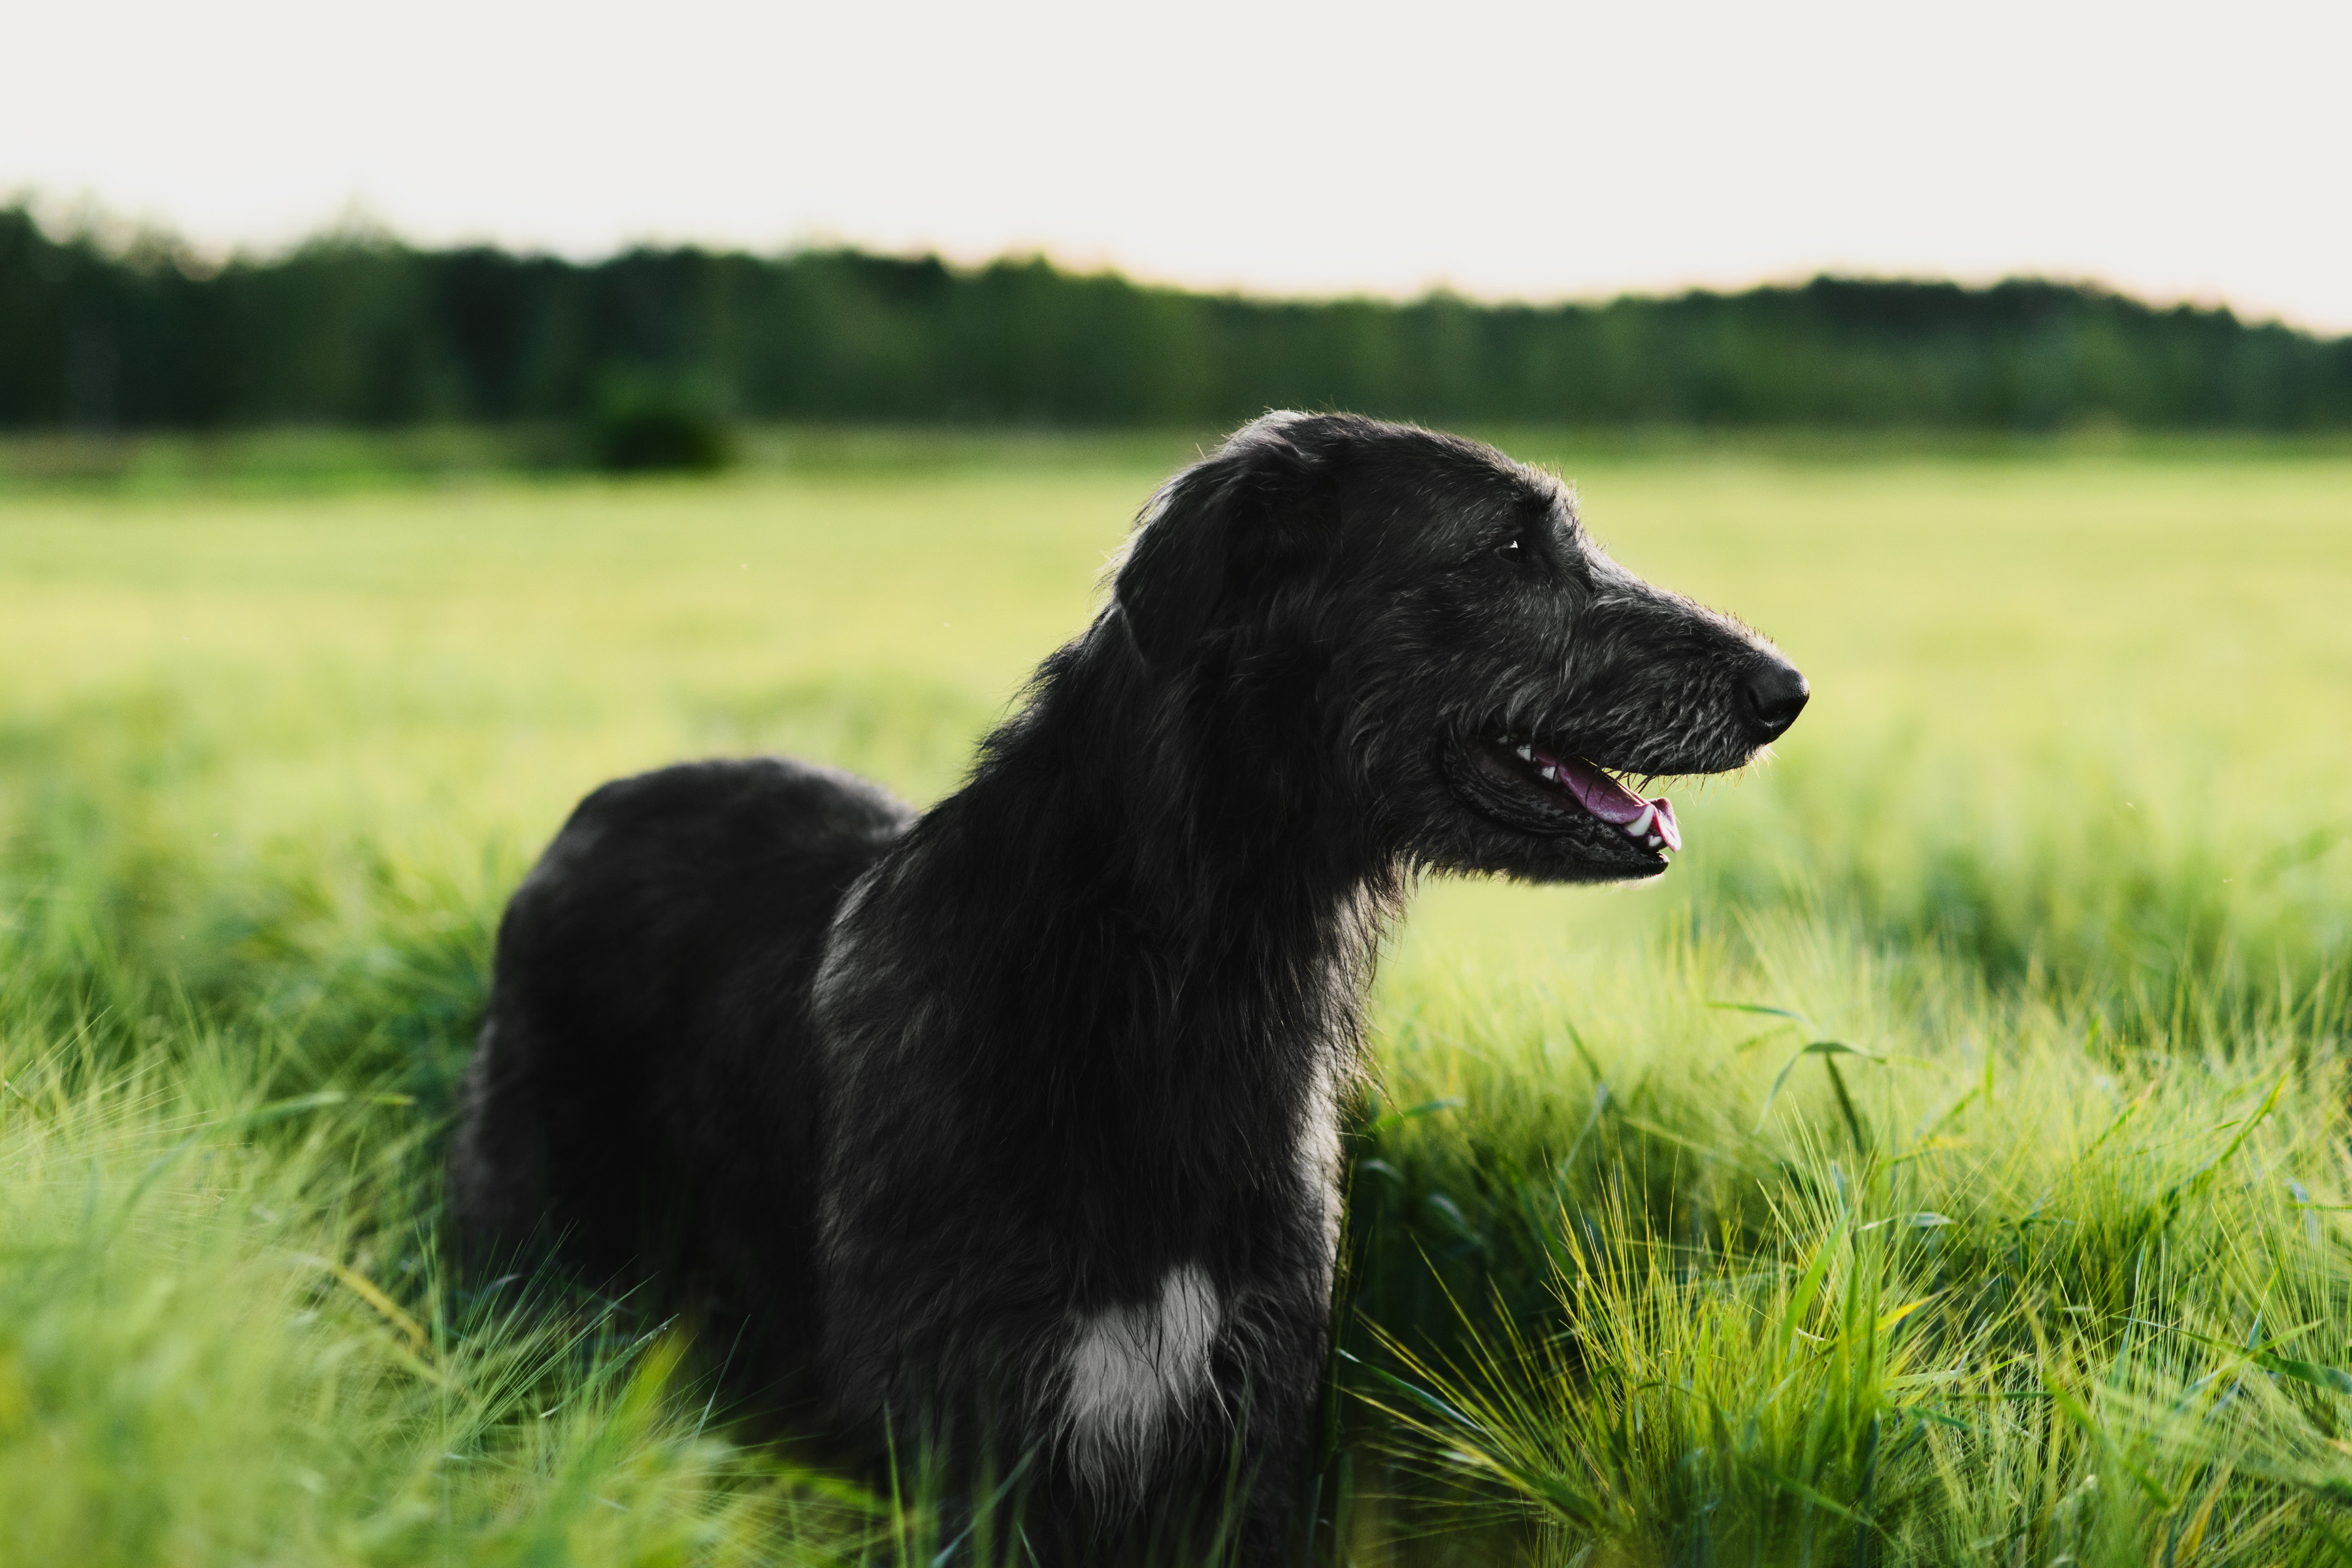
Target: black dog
1017, 1123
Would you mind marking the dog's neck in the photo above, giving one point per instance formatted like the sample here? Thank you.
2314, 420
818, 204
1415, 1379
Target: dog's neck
1224, 787
1192, 812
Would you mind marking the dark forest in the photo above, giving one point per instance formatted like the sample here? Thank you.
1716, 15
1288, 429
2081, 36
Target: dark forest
367, 332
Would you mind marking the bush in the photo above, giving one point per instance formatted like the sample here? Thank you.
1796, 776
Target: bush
646, 422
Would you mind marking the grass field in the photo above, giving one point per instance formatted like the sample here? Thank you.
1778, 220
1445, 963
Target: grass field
1947, 1161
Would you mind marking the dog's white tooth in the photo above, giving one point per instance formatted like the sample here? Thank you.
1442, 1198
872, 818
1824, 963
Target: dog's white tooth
1655, 842
1640, 825
1526, 753
1552, 774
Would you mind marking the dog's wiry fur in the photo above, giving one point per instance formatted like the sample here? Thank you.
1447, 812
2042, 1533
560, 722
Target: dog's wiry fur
1017, 1123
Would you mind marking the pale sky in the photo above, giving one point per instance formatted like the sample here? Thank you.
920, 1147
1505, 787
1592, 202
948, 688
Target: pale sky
1502, 148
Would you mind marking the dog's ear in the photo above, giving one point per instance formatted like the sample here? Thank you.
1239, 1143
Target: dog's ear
1215, 534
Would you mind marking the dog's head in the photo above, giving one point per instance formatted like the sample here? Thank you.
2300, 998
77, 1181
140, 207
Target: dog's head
1414, 629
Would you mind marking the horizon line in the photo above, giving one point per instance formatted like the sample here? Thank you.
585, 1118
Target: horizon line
117, 235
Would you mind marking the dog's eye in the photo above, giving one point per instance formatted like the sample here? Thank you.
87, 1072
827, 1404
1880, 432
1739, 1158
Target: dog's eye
1512, 549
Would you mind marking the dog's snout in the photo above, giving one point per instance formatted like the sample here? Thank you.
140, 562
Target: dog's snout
1776, 693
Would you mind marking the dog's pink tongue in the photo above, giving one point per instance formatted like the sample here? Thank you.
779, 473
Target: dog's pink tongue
1603, 796
1613, 803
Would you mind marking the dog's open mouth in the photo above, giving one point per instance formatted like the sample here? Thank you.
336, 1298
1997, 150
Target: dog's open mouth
1571, 786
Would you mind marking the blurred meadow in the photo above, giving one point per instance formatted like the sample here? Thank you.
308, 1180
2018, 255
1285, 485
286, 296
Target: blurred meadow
1947, 1159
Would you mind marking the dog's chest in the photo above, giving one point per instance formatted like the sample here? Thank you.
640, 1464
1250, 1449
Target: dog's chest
1221, 1111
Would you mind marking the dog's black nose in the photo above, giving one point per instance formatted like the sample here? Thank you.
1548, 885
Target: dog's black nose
1776, 694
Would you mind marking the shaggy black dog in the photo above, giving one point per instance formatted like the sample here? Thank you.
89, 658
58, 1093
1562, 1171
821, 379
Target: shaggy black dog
1017, 1123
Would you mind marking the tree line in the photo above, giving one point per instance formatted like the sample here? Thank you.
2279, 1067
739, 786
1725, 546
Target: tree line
366, 331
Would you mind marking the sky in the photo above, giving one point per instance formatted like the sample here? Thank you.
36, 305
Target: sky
1505, 150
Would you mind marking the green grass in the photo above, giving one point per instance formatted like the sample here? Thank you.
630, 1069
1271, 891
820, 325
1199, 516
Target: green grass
2048, 1263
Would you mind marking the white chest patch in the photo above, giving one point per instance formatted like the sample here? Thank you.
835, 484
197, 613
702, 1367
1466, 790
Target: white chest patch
1134, 1370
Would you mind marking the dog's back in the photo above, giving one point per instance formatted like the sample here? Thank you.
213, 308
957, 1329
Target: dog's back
641, 1099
